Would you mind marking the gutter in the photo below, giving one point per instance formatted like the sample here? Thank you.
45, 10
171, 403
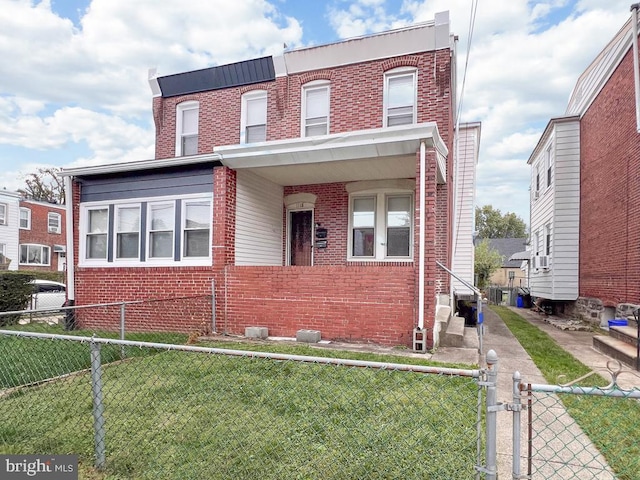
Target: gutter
68, 193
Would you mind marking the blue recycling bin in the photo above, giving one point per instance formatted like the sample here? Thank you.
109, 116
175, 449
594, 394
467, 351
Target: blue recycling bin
520, 302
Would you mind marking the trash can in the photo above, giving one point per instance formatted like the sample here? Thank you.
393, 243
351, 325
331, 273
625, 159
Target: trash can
520, 301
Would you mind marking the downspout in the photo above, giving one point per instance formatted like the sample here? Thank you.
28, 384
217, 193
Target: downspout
421, 240
68, 194
636, 67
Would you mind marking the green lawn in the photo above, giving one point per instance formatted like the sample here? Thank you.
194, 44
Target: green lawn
187, 415
612, 424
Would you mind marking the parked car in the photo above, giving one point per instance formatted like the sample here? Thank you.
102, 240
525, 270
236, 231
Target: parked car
47, 294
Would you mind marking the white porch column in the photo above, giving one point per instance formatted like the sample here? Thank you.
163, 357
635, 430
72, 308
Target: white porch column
421, 235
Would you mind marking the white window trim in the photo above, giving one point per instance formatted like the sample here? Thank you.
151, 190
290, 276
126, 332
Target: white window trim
28, 211
147, 262
183, 219
180, 109
548, 240
398, 72
380, 225
315, 85
148, 232
43, 247
548, 178
116, 214
50, 215
4, 208
246, 97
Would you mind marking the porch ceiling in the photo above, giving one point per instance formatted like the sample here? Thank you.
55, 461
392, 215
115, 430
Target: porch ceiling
373, 154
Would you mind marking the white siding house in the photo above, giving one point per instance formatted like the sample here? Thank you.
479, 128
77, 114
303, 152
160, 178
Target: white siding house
467, 150
555, 211
9, 228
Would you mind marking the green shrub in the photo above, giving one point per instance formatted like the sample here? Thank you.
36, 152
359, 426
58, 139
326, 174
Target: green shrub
15, 293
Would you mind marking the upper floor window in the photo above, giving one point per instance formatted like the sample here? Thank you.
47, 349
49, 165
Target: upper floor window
253, 117
34, 254
187, 128
315, 108
381, 226
25, 218
3, 213
400, 97
547, 165
536, 191
53, 222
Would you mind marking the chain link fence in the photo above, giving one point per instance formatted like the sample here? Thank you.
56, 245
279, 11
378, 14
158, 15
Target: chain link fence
147, 410
582, 432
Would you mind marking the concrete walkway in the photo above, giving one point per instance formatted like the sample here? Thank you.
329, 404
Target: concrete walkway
561, 449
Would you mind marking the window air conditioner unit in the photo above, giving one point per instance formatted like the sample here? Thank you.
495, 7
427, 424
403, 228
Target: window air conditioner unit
541, 262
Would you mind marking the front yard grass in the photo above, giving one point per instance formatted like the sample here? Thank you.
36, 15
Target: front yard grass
612, 424
189, 415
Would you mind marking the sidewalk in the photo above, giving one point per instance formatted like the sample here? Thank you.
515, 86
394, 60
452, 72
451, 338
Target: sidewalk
512, 357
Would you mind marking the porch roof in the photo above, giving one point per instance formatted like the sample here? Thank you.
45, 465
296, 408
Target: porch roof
373, 154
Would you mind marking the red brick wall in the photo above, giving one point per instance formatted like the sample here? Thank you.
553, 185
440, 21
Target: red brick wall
39, 232
610, 193
355, 103
343, 302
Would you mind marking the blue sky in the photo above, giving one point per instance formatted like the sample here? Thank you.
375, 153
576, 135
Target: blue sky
76, 91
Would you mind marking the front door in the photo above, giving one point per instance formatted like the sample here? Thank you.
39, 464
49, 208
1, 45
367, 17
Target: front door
301, 237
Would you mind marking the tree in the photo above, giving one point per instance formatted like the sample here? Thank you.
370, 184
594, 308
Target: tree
45, 185
490, 223
487, 261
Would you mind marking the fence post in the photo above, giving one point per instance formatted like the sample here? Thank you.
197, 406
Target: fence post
517, 402
213, 306
122, 331
98, 405
492, 415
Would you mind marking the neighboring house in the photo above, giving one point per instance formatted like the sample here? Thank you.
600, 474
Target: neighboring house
42, 236
510, 274
9, 207
585, 191
313, 190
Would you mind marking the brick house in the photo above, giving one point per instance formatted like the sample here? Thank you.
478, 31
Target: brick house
585, 202
312, 190
42, 234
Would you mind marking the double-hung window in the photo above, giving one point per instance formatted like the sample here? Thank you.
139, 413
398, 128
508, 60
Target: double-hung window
315, 108
53, 222
197, 228
400, 97
155, 231
547, 239
381, 226
25, 218
547, 165
128, 232
31, 254
3, 213
253, 117
161, 230
187, 128
97, 233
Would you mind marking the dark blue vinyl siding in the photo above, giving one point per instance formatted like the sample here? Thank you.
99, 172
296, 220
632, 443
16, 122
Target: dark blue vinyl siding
224, 76
147, 184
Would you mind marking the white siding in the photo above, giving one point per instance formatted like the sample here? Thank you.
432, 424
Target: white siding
465, 190
10, 233
259, 228
558, 206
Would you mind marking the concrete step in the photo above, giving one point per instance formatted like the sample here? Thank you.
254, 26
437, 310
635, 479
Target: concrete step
454, 334
618, 349
626, 334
